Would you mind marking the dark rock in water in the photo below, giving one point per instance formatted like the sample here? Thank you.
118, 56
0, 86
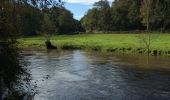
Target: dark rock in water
49, 45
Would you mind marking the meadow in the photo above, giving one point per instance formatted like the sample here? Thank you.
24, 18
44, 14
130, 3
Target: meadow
128, 43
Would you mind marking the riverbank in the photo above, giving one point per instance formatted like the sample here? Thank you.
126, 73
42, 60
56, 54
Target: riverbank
124, 43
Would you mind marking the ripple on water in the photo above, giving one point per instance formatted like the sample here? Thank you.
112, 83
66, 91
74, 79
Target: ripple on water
78, 75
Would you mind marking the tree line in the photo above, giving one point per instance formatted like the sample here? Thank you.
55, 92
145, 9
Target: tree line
37, 17
55, 20
128, 15
33, 17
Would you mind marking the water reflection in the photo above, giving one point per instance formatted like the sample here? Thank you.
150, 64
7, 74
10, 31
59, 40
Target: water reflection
78, 75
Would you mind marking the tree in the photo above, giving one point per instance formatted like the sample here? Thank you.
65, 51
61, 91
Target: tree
147, 13
47, 27
147, 39
156, 14
134, 15
162, 14
104, 15
12, 68
102, 4
78, 26
98, 18
9, 21
90, 20
125, 15
120, 12
66, 22
30, 19
63, 20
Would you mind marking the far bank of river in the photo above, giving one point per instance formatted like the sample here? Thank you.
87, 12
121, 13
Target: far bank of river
119, 43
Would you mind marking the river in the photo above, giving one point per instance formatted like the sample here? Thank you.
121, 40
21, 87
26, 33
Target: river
80, 75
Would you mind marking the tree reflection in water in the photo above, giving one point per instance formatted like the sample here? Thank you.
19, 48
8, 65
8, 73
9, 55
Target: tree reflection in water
14, 77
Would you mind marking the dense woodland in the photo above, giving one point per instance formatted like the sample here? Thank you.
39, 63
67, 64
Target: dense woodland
33, 20
121, 15
125, 15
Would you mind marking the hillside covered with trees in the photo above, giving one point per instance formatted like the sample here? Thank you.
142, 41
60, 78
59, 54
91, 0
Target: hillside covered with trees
33, 20
125, 15
121, 15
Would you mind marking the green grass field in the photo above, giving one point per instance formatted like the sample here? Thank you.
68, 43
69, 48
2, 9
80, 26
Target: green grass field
99, 42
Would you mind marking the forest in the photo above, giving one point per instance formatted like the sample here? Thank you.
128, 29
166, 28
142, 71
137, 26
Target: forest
128, 15
121, 15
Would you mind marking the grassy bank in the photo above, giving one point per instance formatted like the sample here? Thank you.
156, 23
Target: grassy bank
128, 43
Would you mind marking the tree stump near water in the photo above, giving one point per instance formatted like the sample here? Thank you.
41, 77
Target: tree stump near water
49, 45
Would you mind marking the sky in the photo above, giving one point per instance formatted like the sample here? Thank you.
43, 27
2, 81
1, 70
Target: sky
80, 7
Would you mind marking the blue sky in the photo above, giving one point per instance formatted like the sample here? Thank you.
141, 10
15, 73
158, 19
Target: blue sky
79, 7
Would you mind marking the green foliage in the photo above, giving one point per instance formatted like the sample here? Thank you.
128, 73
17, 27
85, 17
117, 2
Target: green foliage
90, 21
162, 15
120, 14
30, 20
134, 15
9, 21
102, 4
126, 15
147, 13
63, 20
156, 14
47, 24
98, 18
66, 22
26, 18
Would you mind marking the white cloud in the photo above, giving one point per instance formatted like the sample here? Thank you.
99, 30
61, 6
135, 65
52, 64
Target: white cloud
83, 1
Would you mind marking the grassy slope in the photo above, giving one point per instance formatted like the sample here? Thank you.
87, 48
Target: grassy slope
101, 42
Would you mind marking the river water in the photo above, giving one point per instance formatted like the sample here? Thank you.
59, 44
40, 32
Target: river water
80, 75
